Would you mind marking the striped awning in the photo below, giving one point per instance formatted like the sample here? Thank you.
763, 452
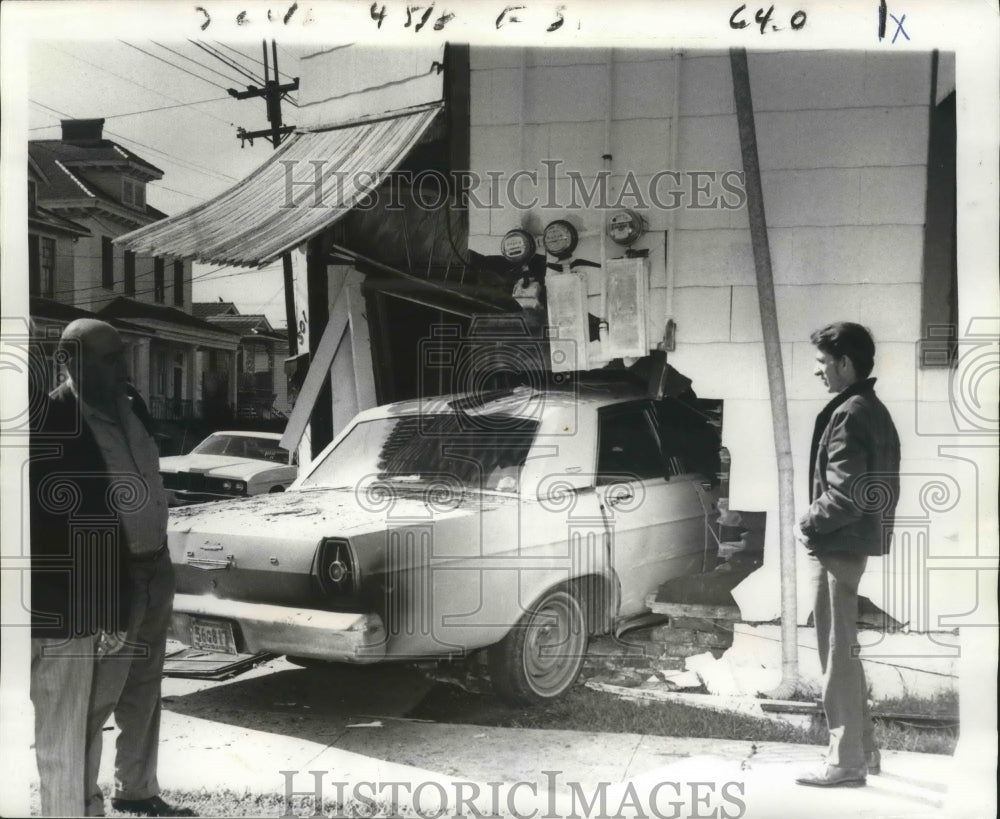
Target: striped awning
263, 216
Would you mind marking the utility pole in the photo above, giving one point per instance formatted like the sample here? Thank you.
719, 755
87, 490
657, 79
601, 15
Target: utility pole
272, 92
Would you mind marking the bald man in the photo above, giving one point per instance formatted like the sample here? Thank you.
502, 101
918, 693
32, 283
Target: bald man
101, 572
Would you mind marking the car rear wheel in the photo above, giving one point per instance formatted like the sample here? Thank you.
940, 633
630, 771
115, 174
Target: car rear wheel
542, 655
310, 662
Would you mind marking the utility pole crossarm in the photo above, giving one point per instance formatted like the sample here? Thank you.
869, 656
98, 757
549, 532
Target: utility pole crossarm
271, 88
273, 92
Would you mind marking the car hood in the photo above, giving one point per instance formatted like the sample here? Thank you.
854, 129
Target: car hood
222, 466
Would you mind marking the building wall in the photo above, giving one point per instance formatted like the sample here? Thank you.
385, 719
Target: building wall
842, 141
89, 292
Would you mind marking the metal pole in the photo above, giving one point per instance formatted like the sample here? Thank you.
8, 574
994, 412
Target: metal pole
775, 369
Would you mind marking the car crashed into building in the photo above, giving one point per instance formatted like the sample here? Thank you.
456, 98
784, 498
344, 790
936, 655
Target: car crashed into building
520, 521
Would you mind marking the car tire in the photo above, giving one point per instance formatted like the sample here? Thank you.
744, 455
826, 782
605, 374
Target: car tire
310, 662
274, 489
541, 657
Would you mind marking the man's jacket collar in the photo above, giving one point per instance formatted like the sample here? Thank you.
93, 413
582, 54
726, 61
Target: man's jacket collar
858, 387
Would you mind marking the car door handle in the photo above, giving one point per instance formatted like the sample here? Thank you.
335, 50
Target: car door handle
614, 500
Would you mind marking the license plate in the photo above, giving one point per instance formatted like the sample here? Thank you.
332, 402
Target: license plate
213, 635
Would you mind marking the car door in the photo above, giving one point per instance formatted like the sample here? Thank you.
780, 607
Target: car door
656, 520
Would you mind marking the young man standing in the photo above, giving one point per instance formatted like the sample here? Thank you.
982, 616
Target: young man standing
854, 487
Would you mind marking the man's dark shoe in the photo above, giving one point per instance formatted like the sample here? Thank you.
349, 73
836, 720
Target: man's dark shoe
833, 776
873, 761
153, 806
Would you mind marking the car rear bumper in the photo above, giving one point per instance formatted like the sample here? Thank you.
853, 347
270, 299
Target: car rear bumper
182, 497
324, 635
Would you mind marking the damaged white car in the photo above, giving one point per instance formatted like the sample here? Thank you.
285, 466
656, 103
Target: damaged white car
520, 521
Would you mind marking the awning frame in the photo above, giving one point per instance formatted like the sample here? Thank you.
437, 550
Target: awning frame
247, 225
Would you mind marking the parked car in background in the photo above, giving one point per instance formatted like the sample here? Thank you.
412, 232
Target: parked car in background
229, 465
520, 521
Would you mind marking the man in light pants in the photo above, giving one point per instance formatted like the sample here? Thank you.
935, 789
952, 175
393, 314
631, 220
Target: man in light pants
854, 487
102, 582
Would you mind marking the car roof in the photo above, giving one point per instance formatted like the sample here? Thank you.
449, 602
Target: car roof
250, 433
519, 399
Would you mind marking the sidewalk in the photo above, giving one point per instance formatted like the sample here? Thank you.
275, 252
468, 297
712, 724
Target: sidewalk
517, 771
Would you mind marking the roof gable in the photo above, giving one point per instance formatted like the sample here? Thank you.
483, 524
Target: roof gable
246, 325
205, 309
127, 308
66, 172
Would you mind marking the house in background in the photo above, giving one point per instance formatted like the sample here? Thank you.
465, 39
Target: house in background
83, 192
262, 386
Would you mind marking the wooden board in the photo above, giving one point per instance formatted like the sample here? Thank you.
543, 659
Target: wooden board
692, 610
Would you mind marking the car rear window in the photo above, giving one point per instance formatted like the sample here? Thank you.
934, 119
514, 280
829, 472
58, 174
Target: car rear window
482, 452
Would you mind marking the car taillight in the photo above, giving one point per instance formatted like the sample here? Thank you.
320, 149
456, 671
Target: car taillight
336, 571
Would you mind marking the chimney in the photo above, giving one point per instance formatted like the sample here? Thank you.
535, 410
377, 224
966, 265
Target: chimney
82, 131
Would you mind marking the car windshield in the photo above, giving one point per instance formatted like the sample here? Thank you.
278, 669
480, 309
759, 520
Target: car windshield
477, 452
242, 446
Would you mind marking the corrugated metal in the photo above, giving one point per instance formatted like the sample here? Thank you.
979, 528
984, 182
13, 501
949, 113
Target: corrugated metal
250, 224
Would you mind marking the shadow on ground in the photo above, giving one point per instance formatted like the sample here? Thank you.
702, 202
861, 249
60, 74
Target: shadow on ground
316, 704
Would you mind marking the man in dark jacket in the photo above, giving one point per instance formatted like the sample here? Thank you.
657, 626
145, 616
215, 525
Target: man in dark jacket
854, 486
102, 584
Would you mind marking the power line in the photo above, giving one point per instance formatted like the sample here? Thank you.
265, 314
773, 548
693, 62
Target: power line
285, 95
173, 65
182, 162
187, 164
254, 60
47, 108
74, 291
134, 82
214, 52
191, 59
217, 54
174, 190
153, 289
146, 111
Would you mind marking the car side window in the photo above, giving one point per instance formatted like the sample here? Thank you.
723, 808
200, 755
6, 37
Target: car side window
689, 438
627, 446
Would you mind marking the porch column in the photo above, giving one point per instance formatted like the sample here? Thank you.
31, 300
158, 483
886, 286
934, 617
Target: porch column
197, 383
141, 366
233, 375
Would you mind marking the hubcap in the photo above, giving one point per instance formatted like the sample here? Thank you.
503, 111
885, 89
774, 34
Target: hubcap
554, 646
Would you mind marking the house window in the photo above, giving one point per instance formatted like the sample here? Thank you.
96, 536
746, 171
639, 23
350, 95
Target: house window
107, 263
47, 267
159, 295
939, 307
34, 265
134, 193
161, 373
179, 284
129, 273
